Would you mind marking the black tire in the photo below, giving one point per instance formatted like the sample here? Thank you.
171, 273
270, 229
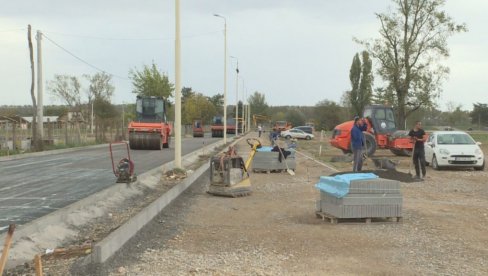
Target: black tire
308, 138
481, 168
370, 144
435, 165
287, 137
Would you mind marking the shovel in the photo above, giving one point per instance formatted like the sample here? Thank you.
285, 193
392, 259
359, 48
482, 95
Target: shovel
291, 172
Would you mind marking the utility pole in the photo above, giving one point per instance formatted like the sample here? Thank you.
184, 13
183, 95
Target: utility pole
40, 119
225, 76
177, 163
237, 95
91, 126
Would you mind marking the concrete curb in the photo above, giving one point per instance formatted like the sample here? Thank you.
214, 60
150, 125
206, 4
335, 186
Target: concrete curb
104, 249
29, 237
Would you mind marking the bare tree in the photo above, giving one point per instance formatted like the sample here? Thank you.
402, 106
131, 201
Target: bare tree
35, 139
413, 41
67, 88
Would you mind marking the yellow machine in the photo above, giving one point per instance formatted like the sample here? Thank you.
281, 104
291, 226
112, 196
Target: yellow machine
229, 174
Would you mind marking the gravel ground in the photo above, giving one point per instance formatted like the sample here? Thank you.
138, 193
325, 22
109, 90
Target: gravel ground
275, 232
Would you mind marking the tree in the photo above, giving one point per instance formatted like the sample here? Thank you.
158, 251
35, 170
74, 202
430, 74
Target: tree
35, 138
479, 115
258, 104
198, 106
100, 86
151, 82
218, 102
67, 89
100, 89
355, 78
328, 114
295, 117
413, 41
106, 115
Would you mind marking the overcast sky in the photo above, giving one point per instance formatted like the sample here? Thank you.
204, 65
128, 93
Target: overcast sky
295, 52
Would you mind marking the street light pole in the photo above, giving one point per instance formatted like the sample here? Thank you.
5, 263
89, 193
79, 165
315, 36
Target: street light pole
237, 95
177, 125
225, 76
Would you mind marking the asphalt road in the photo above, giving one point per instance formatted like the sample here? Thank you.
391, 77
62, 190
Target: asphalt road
32, 187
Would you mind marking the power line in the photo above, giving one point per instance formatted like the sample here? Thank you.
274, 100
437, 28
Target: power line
82, 60
12, 30
131, 38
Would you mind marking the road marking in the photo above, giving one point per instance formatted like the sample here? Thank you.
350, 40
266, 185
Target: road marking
317, 161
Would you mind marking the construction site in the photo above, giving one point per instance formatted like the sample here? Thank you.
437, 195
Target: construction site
274, 228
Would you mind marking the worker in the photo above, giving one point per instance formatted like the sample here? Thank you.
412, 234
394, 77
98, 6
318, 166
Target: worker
260, 129
418, 137
357, 142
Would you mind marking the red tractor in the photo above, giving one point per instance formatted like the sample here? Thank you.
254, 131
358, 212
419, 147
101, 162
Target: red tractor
150, 130
381, 133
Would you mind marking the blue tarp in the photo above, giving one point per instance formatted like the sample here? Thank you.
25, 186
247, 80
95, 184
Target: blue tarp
338, 185
265, 149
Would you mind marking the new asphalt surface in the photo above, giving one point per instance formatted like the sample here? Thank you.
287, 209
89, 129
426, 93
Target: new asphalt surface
34, 186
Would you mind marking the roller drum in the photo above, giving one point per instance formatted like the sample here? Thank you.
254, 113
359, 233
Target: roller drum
145, 141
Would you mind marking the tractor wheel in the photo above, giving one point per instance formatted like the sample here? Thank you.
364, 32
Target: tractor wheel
370, 144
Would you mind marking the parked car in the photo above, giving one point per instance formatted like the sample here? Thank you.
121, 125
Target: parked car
296, 133
453, 149
307, 129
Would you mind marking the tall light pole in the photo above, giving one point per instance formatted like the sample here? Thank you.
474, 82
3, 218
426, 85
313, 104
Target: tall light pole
237, 95
177, 125
225, 76
244, 116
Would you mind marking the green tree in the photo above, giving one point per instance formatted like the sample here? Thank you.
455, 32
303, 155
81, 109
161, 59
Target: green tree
258, 104
99, 89
361, 83
328, 114
150, 82
106, 115
295, 117
355, 78
479, 115
198, 106
218, 102
413, 41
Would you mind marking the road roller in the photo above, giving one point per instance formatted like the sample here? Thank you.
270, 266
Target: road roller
149, 130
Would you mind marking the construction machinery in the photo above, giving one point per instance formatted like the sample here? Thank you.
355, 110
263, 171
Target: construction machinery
150, 129
231, 126
229, 174
217, 127
258, 119
280, 126
197, 128
124, 170
381, 133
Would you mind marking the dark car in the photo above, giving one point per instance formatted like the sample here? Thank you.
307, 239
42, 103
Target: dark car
307, 129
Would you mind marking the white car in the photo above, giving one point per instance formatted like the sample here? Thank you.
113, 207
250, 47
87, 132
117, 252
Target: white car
453, 149
296, 133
